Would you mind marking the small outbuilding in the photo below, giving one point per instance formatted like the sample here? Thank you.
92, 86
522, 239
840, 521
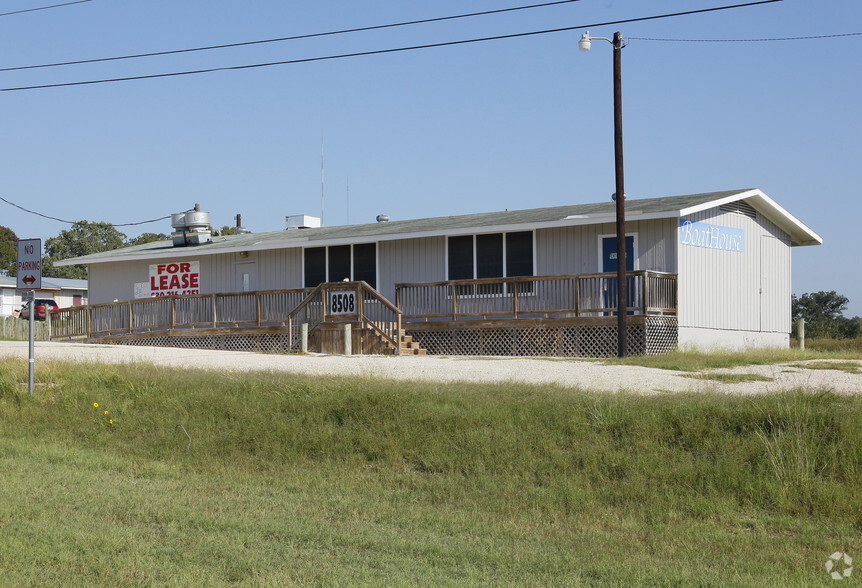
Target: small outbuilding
705, 270
64, 291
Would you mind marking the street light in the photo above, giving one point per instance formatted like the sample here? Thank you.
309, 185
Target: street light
619, 196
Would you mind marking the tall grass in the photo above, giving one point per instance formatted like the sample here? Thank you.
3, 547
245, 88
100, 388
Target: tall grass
695, 361
362, 481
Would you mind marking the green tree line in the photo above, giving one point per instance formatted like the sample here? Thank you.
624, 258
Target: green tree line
82, 238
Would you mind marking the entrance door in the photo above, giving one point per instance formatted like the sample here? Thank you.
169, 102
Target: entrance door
245, 276
609, 264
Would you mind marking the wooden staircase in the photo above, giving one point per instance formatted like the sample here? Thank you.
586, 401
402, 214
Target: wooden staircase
408, 346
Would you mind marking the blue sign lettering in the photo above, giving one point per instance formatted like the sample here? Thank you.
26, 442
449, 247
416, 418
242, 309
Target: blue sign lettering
709, 236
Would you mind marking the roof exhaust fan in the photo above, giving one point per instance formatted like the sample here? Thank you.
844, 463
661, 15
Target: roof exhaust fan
191, 227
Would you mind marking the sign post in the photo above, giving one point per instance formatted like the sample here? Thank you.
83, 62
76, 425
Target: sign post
29, 270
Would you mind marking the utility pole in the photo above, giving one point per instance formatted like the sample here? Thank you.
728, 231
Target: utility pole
620, 197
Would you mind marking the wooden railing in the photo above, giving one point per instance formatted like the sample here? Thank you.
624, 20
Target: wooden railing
343, 302
648, 292
241, 309
544, 296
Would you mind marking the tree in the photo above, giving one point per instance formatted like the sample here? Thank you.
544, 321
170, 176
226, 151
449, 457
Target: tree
8, 251
83, 238
146, 238
822, 312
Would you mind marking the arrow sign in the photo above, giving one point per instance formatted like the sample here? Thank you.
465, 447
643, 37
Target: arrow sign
29, 264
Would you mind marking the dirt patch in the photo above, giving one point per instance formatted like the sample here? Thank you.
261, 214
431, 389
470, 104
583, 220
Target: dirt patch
587, 374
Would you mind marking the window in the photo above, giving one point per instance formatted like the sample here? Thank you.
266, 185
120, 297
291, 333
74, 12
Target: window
461, 258
333, 264
339, 263
496, 255
519, 254
365, 263
489, 256
315, 266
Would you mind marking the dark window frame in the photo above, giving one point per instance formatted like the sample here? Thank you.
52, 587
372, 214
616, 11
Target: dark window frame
326, 273
482, 264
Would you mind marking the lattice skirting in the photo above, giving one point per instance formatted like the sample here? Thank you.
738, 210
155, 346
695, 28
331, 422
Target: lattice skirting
262, 343
646, 335
649, 335
324, 340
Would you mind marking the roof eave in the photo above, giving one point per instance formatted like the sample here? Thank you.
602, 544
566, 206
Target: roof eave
800, 234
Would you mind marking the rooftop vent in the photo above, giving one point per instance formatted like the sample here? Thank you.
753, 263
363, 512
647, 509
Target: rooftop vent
191, 227
383, 218
739, 207
301, 221
240, 230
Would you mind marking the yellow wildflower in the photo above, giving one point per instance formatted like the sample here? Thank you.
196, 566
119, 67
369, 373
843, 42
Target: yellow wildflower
96, 404
106, 412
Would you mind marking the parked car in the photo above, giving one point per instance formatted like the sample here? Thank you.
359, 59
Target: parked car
43, 306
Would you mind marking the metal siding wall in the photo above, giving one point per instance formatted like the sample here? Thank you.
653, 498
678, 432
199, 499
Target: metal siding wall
110, 281
574, 250
279, 269
567, 250
410, 260
775, 283
656, 244
721, 289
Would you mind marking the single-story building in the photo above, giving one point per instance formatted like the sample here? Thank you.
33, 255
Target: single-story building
65, 292
729, 253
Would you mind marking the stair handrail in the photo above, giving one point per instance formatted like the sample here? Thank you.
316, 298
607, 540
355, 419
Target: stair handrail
395, 341
305, 302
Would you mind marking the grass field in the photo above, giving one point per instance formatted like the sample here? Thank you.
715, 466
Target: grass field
314, 481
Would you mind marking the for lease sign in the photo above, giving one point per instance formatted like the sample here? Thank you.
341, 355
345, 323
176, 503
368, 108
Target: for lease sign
175, 279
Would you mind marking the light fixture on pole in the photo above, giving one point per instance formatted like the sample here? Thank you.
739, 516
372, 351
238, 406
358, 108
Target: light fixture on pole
584, 45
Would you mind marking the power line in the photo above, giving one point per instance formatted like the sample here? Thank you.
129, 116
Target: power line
44, 7
73, 222
293, 38
384, 51
834, 36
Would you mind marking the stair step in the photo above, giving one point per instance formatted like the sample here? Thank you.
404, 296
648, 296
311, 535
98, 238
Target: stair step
416, 351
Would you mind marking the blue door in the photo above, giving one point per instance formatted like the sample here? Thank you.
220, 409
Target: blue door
609, 253
609, 264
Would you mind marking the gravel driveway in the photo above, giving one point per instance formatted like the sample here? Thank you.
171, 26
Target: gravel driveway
593, 375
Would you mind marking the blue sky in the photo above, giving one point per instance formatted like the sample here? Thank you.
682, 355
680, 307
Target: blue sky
516, 123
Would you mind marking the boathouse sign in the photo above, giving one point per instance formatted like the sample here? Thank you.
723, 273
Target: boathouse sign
697, 234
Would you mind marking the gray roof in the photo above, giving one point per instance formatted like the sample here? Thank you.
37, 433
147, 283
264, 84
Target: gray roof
48, 283
448, 225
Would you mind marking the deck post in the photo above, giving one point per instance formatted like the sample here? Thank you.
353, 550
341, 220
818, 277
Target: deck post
129, 304
514, 285
303, 345
645, 304
801, 334
215, 319
257, 301
454, 292
348, 339
577, 296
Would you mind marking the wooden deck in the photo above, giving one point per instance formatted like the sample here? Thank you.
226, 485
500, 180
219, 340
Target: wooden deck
589, 295
378, 325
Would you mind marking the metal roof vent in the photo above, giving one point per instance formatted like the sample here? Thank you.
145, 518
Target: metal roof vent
301, 221
383, 218
191, 227
739, 207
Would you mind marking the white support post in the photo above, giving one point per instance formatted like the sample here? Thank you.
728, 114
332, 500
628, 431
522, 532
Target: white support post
348, 339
